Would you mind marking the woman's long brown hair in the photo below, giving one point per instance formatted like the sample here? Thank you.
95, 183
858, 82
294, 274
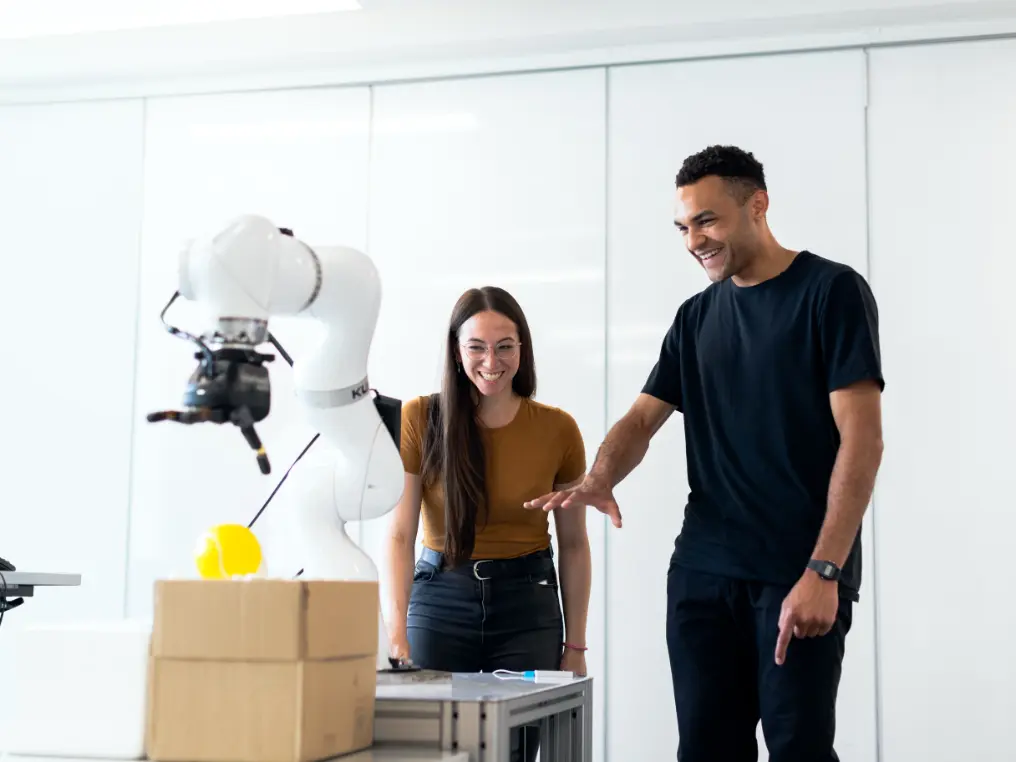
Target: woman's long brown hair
453, 452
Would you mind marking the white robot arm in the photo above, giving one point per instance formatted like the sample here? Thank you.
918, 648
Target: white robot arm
244, 276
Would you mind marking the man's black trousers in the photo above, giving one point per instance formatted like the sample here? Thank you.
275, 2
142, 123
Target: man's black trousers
721, 637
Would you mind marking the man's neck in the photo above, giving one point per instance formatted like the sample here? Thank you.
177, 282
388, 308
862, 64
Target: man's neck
771, 260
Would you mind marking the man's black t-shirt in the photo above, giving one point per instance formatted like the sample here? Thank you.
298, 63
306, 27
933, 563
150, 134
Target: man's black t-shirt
751, 370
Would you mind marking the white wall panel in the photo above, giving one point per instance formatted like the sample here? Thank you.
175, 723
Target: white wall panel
942, 157
301, 159
70, 206
803, 117
495, 181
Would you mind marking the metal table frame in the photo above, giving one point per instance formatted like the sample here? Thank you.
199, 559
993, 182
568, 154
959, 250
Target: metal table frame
21, 584
476, 713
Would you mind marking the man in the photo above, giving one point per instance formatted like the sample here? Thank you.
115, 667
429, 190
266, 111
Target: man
776, 369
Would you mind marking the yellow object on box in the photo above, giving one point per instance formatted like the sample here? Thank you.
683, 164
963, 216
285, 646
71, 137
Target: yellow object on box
226, 551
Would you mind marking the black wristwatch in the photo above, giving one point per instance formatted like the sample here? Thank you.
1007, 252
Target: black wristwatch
825, 569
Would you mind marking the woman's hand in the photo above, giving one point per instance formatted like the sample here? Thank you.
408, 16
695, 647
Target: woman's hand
399, 645
574, 661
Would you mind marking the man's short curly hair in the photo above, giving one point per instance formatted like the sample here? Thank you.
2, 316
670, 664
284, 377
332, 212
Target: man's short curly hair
742, 171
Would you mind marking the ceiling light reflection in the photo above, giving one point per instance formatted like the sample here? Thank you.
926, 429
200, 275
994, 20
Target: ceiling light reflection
37, 18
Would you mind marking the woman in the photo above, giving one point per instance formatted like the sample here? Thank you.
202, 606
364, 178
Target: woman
484, 593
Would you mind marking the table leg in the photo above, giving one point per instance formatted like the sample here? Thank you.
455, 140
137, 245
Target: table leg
571, 733
579, 731
548, 739
497, 735
566, 736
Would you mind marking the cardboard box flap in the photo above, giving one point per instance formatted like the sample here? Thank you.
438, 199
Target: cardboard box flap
264, 619
342, 619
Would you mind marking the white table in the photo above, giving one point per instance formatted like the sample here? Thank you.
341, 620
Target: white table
377, 754
476, 712
404, 754
20, 584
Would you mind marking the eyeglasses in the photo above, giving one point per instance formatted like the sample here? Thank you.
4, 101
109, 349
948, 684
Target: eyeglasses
504, 350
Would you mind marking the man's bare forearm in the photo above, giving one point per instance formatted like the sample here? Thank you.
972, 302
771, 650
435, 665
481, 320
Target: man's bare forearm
622, 450
850, 489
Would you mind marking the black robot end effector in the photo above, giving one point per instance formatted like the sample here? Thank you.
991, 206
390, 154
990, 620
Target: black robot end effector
229, 385
243, 393
237, 393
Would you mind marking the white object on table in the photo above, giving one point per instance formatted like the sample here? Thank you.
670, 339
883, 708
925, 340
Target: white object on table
81, 690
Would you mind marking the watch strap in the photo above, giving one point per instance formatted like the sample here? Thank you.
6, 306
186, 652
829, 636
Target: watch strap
825, 569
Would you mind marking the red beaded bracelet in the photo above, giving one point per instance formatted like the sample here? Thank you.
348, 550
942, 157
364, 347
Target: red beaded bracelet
575, 648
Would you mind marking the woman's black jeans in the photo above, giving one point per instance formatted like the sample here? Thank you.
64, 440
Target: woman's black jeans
487, 615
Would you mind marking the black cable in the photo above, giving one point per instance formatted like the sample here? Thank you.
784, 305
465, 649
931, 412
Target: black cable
288, 359
283, 479
205, 351
5, 603
281, 351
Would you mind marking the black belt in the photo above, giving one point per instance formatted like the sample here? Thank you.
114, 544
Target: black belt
490, 568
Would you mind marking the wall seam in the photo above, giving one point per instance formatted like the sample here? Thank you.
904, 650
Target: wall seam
876, 617
360, 532
132, 460
606, 404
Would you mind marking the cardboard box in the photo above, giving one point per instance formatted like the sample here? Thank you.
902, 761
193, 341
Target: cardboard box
261, 670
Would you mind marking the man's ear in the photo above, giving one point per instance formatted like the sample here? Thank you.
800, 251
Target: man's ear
759, 204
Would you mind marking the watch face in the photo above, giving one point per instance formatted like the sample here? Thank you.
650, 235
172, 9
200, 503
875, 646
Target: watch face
825, 569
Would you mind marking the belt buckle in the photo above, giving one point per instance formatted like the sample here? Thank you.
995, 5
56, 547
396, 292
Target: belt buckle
476, 570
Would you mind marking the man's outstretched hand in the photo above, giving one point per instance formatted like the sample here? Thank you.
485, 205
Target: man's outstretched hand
588, 492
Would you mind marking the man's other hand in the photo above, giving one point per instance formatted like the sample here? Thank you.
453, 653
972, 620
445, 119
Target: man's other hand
589, 492
809, 611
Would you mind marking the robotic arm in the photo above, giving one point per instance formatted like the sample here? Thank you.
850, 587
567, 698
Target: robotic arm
242, 277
